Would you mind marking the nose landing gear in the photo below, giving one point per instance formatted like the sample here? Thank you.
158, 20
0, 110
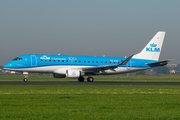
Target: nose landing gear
25, 79
25, 76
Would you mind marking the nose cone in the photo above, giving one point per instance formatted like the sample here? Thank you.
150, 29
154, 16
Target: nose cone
7, 66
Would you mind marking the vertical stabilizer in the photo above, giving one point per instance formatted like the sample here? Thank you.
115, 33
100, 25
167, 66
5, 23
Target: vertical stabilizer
153, 48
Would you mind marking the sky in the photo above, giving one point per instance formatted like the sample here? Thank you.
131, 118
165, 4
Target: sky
87, 27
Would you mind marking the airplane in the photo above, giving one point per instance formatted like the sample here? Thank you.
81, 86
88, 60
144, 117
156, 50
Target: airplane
78, 66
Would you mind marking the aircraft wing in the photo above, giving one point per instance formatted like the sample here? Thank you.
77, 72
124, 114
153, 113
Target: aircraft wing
164, 62
106, 67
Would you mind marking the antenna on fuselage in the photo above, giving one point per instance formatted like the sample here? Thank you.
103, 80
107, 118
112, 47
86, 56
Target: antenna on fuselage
59, 54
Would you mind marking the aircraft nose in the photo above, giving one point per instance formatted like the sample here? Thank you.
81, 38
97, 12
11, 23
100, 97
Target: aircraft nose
7, 66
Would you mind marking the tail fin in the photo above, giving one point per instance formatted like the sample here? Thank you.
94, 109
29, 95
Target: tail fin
153, 48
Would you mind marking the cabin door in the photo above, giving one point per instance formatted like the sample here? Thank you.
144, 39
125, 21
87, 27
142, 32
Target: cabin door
33, 60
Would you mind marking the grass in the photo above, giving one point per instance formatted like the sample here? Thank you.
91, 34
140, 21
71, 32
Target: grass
90, 102
123, 77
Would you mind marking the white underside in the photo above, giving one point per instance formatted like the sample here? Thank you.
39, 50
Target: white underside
53, 69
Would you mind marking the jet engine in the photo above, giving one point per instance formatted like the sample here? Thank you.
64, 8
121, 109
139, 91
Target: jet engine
73, 73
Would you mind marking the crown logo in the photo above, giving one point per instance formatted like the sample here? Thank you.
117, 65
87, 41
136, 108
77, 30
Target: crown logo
74, 73
153, 45
45, 57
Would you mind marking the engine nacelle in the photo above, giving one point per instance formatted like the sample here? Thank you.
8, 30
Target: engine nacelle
73, 73
59, 75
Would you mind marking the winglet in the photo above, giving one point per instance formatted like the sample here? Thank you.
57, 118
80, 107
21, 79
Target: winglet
127, 60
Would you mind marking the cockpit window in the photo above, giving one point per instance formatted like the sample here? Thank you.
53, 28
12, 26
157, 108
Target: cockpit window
15, 59
21, 59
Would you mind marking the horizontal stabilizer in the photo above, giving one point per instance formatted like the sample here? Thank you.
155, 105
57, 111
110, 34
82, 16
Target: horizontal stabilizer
165, 62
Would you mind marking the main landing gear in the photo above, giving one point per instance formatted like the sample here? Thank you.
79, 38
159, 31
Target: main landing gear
25, 76
89, 79
81, 79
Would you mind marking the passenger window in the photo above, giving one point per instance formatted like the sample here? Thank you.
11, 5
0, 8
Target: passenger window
58, 60
54, 60
75, 61
41, 59
101, 61
79, 61
114, 62
50, 60
92, 61
66, 60
62, 60
46, 60
110, 62
84, 61
106, 62
97, 61
88, 61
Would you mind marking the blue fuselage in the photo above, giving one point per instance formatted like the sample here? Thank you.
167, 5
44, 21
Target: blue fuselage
50, 63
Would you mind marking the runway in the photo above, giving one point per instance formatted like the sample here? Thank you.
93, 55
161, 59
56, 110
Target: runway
89, 83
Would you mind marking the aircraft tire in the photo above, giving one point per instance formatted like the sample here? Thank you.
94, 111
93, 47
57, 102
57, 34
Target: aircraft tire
81, 79
90, 79
25, 79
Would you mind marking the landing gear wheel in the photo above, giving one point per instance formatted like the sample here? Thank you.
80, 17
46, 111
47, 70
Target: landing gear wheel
25, 79
25, 76
90, 79
81, 79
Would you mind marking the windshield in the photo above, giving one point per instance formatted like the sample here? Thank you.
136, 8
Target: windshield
17, 58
